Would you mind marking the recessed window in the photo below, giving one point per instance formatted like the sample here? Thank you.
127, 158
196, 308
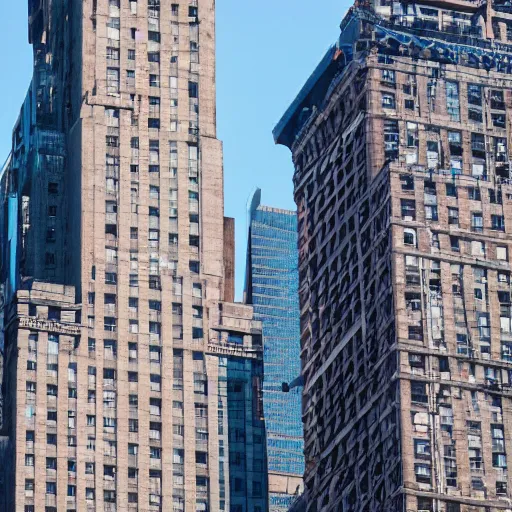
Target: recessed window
451, 190
410, 237
388, 100
193, 89
409, 104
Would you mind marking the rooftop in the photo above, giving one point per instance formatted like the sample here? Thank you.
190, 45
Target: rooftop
404, 36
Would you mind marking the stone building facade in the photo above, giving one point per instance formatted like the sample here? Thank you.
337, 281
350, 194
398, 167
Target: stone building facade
401, 146
125, 360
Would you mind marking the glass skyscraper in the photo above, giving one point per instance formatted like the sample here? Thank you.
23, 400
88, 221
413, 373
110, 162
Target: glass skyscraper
272, 288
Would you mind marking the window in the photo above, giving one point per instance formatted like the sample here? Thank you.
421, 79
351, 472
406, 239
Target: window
408, 209
474, 194
155, 453
154, 56
109, 496
417, 361
154, 81
132, 351
133, 303
109, 423
197, 290
110, 278
415, 332
412, 139
388, 100
154, 123
418, 392
453, 216
452, 101
407, 182
53, 188
451, 190
423, 473
154, 36
497, 100
431, 213
193, 89
51, 488
498, 120
495, 197
475, 95
154, 192
498, 222
133, 326
131, 54
154, 328
391, 139
109, 323
388, 76
454, 244
425, 504
501, 488
154, 354
477, 223
156, 385
201, 458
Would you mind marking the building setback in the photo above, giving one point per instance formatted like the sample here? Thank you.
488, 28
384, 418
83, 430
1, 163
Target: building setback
272, 289
401, 146
131, 380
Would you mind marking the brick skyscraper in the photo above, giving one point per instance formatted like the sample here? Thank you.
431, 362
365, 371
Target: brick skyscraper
130, 380
401, 145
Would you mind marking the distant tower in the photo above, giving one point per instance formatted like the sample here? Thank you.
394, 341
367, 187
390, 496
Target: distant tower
272, 289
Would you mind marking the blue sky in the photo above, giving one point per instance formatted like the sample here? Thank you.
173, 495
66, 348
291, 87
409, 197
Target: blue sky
265, 52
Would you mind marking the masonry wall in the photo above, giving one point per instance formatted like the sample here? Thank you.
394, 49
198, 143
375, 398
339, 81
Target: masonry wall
402, 186
130, 87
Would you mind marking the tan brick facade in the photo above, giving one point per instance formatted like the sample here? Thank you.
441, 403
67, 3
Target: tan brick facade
129, 86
